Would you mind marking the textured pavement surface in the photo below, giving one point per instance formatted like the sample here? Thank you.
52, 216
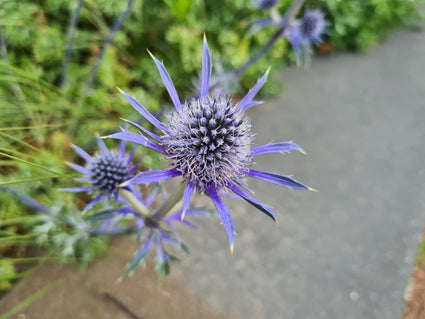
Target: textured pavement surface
345, 252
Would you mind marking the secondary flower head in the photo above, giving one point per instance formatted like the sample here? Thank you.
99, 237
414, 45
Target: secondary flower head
160, 236
313, 26
264, 4
103, 172
163, 239
301, 33
209, 143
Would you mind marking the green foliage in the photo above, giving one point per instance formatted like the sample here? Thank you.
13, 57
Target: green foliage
67, 235
7, 270
15, 223
358, 25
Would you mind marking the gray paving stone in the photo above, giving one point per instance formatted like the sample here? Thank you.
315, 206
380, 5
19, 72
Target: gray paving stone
64, 293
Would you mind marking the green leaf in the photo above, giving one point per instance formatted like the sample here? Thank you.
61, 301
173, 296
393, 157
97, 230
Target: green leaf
180, 9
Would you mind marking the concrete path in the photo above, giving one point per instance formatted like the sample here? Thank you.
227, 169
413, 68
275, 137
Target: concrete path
345, 252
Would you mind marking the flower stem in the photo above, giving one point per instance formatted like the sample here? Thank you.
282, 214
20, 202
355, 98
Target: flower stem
293, 10
75, 16
274, 14
139, 208
238, 72
162, 211
108, 42
112, 232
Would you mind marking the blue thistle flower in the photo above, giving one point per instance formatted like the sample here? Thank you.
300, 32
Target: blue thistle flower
303, 32
264, 4
208, 142
163, 238
160, 236
103, 172
313, 26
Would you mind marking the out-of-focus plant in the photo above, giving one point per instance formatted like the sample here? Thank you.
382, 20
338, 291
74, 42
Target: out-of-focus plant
358, 25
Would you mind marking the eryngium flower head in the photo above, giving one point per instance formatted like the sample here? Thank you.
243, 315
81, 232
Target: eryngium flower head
108, 171
164, 239
313, 26
160, 236
104, 171
208, 142
301, 33
264, 4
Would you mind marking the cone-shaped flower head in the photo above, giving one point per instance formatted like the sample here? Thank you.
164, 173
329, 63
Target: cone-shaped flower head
107, 171
104, 171
208, 141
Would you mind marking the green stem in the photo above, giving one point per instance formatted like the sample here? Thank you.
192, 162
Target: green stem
137, 205
108, 42
75, 16
170, 203
274, 14
293, 10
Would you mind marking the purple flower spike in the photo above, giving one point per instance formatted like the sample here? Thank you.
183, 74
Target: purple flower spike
223, 214
167, 82
104, 171
206, 70
208, 142
248, 101
282, 147
259, 25
152, 176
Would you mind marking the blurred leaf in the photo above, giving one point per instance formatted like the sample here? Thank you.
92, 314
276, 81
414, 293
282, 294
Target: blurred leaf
179, 8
